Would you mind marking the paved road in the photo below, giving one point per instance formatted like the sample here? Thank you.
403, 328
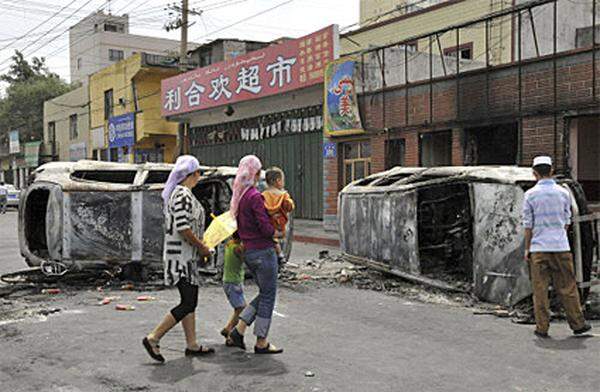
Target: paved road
10, 257
352, 340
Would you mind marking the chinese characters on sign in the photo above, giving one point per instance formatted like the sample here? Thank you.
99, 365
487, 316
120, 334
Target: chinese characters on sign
341, 112
291, 65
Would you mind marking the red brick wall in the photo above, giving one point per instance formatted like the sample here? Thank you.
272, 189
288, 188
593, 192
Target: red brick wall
574, 89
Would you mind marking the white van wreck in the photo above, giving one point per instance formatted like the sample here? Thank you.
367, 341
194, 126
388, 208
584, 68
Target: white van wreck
92, 214
453, 227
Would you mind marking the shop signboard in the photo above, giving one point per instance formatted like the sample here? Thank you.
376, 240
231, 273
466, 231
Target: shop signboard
291, 65
13, 142
341, 111
121, 130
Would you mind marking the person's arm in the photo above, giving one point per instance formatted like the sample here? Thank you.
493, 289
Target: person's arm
528, 235
288, 204
191, 238
259, 210
567, 210
182, 214
528, 225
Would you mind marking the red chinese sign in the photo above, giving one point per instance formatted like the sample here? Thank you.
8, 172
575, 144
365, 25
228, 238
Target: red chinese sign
276, 69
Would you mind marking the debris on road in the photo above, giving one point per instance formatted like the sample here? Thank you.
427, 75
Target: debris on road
125, 307
52, 291
146, 298
309, 374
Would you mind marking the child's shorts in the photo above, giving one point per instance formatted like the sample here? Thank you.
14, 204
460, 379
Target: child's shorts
235, 294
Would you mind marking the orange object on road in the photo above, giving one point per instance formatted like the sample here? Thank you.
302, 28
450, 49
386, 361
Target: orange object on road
51, 291
143, 298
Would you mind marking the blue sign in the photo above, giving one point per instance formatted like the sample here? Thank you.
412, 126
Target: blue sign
329, 150
121, 130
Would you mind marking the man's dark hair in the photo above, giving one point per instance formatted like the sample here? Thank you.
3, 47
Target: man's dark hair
543, 170
273, 174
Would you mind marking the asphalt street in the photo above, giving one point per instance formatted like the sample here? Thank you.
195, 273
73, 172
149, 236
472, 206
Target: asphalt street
335, 339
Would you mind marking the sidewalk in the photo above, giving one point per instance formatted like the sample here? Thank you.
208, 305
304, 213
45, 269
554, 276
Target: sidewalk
312, 231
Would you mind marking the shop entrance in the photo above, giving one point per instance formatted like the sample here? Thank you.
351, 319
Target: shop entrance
299, 155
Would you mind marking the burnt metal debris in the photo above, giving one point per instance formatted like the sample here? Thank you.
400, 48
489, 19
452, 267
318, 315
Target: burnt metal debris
454, 228
92, 215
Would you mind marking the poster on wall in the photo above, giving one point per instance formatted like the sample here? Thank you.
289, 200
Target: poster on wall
341, 112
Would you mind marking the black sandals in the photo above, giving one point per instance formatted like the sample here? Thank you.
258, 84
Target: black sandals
150, 349
267, 350
200, 352
236, 339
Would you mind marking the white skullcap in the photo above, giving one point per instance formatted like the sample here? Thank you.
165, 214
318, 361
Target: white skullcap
542, 160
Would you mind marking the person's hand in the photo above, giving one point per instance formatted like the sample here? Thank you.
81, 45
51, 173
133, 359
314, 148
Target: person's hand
278, 234
204, 251
527, 256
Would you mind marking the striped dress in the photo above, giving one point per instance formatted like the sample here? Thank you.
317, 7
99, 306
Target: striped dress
181, 259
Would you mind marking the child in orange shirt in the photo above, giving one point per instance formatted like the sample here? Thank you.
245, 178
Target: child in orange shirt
278, 204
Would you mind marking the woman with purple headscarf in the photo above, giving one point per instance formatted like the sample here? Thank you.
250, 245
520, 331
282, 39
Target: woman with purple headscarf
256, 232
183, 250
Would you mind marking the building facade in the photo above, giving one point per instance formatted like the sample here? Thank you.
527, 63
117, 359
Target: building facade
223, 50
385, 22
100, 40
67, 126
487, 115
125, 111
267, 102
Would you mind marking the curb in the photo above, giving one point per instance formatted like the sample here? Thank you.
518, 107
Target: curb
317, 240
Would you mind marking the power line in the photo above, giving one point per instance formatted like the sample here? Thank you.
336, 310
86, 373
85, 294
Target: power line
36, 27
48, 32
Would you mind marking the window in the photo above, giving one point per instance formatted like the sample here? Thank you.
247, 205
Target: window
95, 155
114, 154
79, 62
114, 27
104, 155
115, 55
51, 132
205, 58
108, 104
465, 51
73, 134
436, 149
157, 177
394, 153
356, 161
114, 176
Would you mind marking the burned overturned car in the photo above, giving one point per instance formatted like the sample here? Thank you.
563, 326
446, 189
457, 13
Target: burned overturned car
88, 214
453, 227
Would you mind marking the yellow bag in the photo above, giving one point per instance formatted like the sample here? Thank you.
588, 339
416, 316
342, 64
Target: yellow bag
221, 228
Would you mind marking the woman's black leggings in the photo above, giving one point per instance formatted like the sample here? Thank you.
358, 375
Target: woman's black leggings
189, 300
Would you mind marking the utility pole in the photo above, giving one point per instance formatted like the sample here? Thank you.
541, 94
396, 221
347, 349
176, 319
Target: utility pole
184, 35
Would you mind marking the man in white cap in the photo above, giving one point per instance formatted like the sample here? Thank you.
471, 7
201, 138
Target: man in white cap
546, 217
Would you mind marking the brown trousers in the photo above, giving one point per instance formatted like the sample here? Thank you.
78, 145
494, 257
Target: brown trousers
557, 267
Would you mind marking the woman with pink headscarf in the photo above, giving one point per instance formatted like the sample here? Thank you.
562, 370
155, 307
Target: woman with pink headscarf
256, 232
183, 250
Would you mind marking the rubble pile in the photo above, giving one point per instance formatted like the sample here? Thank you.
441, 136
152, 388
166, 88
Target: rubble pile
337, 271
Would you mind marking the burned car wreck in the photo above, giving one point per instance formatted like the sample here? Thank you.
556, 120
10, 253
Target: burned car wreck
453, 227
90, 214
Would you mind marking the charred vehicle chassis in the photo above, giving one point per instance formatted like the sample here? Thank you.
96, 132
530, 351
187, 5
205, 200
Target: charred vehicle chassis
96, 214
453, 227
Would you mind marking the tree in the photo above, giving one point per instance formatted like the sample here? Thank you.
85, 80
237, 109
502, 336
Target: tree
29, 85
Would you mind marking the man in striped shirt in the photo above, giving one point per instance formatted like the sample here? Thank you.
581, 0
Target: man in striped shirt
546, 218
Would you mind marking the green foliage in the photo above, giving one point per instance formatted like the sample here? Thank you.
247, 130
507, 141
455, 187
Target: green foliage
22, 106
